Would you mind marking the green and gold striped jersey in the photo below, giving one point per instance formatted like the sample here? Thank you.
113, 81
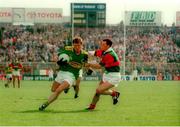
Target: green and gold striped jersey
76, 62
8, 70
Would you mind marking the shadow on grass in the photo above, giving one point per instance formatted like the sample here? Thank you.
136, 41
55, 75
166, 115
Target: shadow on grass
55, 111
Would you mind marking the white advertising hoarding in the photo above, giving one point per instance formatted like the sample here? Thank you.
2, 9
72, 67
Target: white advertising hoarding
178, 18
31, 15
43, 15
142, 18
18, 15
6, 15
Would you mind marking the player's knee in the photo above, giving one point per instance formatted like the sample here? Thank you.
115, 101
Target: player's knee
98, 91
52, 90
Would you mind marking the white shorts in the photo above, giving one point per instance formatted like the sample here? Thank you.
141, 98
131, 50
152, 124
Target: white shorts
8, 76
112, 77
16, 73
65, 76
80, 73
51, 76
135, 73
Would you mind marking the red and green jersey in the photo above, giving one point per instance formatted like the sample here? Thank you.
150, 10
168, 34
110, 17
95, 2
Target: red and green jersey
109, 60
16, 66
75, 63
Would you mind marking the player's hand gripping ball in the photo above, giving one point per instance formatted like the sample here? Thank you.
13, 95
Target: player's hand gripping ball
63, 59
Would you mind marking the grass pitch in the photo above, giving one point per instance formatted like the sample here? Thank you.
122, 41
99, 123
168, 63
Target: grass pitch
141, 103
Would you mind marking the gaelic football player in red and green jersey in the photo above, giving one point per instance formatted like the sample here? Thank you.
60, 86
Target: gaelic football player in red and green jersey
111, 76
69, 71
17, 67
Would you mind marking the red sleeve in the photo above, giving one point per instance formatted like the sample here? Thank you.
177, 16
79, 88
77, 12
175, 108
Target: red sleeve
107, 61
20, 66
98, 53
11, 65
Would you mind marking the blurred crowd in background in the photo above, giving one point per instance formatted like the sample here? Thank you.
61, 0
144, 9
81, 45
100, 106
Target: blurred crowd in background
147, 49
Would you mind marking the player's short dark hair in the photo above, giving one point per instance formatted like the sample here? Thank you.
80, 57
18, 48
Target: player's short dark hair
108, 42
77, 40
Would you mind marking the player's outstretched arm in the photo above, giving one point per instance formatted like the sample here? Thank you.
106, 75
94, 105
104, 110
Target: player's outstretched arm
94, 65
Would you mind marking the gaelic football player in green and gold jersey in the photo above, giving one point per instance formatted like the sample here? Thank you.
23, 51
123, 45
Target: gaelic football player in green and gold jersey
69, 70
8, 71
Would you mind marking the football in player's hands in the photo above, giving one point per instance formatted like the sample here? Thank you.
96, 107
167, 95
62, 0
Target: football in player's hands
64, 57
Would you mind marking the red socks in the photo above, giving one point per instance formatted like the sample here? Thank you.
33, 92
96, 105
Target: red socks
113, 93
92, 106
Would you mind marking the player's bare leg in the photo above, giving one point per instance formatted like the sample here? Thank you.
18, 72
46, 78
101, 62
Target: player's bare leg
56, 93
18, 78
54, 86
114, 93
56, 89
14, 78
76, 87
8, 82
103, 89
109, 89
